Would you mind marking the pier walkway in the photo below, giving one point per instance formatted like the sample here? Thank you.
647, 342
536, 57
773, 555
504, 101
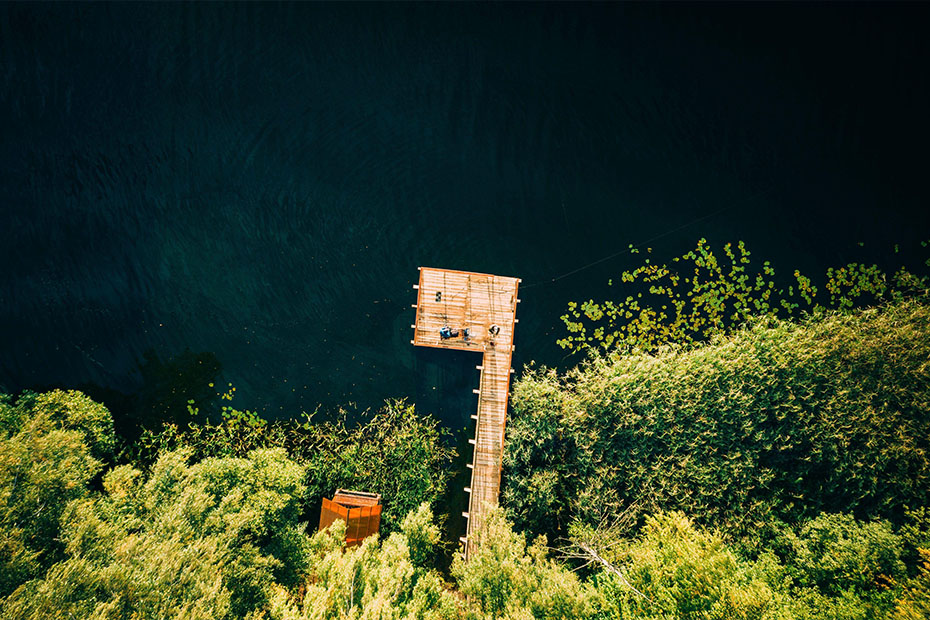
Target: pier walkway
474, 312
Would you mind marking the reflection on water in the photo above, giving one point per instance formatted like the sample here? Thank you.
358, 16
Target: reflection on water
261, 182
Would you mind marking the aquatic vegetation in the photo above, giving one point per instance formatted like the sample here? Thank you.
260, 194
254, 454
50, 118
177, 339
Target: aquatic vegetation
701, 294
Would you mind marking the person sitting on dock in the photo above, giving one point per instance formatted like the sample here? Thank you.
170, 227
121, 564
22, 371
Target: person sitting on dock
446, 332
493, 331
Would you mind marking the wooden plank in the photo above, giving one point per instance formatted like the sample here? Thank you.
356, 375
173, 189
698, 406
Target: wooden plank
485, 305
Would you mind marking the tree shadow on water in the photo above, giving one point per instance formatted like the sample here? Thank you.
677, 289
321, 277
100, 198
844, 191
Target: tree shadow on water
176, 390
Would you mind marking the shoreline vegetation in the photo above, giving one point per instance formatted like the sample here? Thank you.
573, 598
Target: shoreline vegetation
728, 460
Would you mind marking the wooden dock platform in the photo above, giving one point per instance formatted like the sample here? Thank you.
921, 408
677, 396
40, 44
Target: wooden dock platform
449, 303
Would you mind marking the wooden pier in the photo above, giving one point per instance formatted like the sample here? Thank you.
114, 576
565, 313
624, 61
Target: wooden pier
474, 312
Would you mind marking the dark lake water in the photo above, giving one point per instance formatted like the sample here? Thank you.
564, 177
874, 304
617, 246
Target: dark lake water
260, 182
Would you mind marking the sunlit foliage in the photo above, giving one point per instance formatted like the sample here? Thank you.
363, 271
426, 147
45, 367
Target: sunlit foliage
834, 552
220, 537
675, 570
914, 601
206, 540
395, 452
51, 446
386, 580
780, 421
506, 579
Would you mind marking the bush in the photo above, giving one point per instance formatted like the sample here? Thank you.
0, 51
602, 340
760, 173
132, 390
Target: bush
201, 541
370, 581
394, 452
914, 600
49, 450
504, 578
777, 423
834, 552
675, 570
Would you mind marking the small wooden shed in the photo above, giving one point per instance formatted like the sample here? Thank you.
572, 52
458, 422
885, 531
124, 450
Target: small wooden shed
361, 511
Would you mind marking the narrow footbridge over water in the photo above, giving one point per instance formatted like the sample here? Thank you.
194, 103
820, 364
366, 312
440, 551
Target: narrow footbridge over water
474, 312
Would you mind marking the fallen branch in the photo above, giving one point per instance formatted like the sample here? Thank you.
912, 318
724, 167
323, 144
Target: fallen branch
593, 556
